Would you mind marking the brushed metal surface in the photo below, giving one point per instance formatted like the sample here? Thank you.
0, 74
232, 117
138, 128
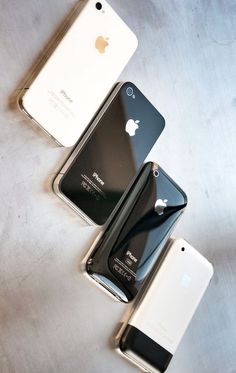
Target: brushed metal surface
52, 319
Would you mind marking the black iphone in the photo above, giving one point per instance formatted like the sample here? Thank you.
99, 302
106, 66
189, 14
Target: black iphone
130, 246
102, 167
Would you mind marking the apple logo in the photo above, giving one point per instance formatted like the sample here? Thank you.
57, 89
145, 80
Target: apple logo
160, 205
132, 126
101, 44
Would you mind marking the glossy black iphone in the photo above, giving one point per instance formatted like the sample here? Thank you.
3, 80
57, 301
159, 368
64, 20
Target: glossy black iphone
112, 154
130, 246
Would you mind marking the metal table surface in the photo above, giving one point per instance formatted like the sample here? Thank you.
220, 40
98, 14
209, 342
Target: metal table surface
52, 319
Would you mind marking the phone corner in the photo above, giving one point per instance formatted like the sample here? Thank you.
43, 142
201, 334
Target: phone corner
20, 102
163, 122
135, 41
121, 343
86, 265
83, 268
210, 269
56, 184
185, 198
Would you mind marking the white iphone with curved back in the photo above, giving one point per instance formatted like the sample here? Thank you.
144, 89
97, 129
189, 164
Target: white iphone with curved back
68, 91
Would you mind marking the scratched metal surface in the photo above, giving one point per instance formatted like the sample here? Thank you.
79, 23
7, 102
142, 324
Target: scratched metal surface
52, 319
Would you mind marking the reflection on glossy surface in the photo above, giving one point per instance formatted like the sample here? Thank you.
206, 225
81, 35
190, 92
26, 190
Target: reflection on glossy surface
112, 155
129, 248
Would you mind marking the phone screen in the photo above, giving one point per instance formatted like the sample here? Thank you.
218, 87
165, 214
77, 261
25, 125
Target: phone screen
112, 155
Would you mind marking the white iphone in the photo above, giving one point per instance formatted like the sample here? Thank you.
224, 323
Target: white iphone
156, 327
68, 91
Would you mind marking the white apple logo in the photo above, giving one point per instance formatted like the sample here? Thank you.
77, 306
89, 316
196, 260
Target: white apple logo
160, 205
132, 126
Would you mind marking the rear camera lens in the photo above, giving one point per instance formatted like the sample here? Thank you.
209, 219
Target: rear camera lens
156, 173
98, 6
129, 91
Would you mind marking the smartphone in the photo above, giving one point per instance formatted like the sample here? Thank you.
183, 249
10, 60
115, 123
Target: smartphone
103, 166
128, 250
159, 321
68, 91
